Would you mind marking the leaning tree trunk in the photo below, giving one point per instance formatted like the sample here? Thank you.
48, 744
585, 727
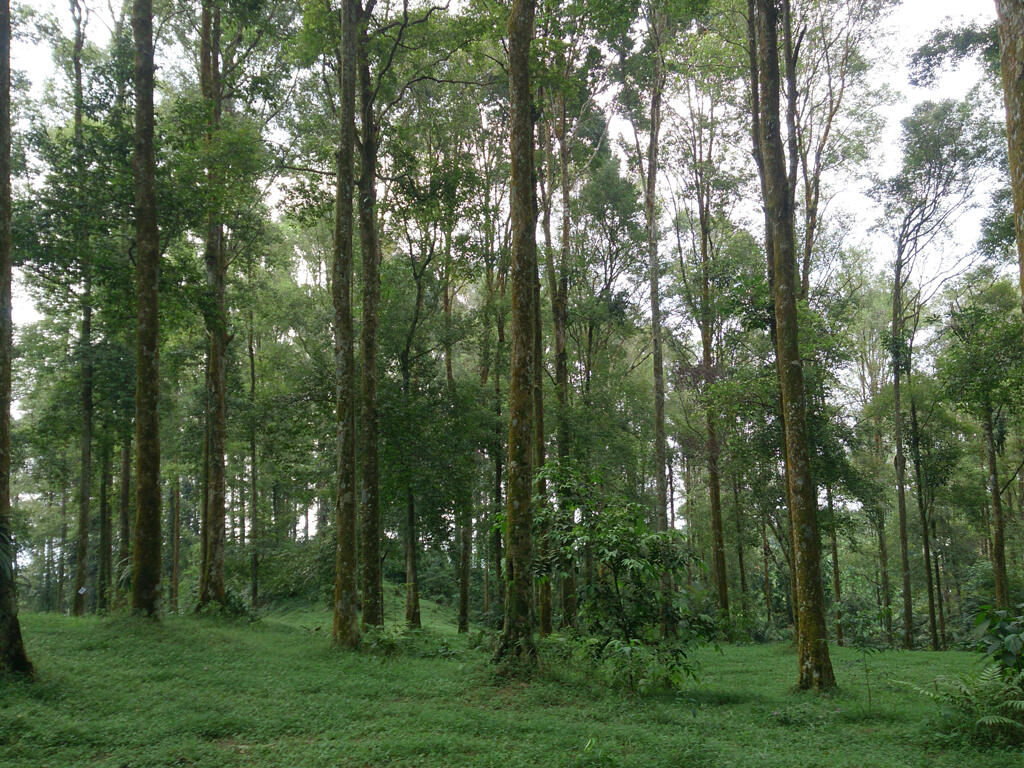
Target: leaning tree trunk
12, 649
1011, 44
346, 596
517, 643
147, 568
815, 666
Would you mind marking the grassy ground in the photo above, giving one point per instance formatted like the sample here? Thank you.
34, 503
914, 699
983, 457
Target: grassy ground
205, 692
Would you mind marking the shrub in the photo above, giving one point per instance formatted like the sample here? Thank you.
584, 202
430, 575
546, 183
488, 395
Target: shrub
1000, 635
986, 709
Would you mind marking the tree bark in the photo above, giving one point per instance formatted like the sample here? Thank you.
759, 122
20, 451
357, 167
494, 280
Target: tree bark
85, 338
837, 595
346, 597
147, 569
175, 542
369, 521
124, 490
255, 539
215, 260
13, 658
104, 580
517, 642
815, 666
1011, 45
998, 550
922, 509
898, 366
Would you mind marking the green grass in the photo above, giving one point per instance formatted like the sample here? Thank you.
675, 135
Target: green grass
207, 692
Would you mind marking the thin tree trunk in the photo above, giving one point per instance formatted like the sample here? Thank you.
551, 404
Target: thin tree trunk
146, 556
939, 594
412, 584
837, 595
62, 560
346, 597
104, 580
124, 502
175, 543
255, 539
998, 550
739, 544
559, 290
915, 442
898, 366
517, 641
13, 658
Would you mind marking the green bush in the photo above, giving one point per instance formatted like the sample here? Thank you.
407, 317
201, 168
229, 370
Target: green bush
1000, 635
986, 709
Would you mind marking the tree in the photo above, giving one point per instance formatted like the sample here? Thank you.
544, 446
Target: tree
346, 628
517, 642
815, 666
147, 568
1011, 45
981, 367
12, 650
945, 146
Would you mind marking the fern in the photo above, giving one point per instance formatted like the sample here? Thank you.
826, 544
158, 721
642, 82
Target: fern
986, 709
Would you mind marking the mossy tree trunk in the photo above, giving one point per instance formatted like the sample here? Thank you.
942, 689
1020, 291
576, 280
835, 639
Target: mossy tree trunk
815, 666
147, 568
346, 598
12, 649
517, 642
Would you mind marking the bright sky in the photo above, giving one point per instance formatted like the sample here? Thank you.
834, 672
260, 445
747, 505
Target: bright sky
910, 24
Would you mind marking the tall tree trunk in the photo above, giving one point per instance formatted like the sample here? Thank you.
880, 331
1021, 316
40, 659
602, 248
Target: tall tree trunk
915, 443
815, 666
517, 641
998, 551
346, 596
124, 505
544, 586
214, 258
146, 556
559, 290
175, 542
739, 544
837, 595
255, 537
104, 580
369, 522
85, 339
12, 650
412, 582
656, 28
939, 593
1011, 45
62, 560
898, 366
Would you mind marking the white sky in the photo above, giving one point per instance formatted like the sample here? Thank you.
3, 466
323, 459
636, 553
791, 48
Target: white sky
910, 24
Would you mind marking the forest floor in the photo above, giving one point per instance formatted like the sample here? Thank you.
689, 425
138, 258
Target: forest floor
210, 692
